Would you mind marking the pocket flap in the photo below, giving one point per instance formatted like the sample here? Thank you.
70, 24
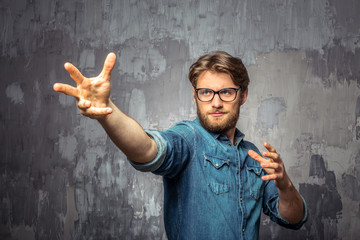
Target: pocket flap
256, 170
216, 162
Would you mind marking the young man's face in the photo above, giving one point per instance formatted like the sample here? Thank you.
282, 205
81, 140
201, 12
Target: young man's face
218, 116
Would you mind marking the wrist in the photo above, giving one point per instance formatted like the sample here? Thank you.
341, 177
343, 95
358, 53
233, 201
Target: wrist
103, 119
285, 185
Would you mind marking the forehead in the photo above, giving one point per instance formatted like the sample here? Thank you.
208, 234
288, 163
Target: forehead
215, 80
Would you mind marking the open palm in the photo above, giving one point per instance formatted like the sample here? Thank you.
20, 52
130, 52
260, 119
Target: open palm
92, 94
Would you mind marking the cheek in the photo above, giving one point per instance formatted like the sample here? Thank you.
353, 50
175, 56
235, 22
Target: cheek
234, 107
200, 106
238, 103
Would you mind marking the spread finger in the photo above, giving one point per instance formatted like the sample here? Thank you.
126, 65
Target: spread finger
75, 74
66, 89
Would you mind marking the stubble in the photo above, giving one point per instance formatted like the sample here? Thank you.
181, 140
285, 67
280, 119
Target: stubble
220, 126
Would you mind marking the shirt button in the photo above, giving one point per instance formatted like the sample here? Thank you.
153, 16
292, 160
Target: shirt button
241, 199
243, 229
216, 165
230, 144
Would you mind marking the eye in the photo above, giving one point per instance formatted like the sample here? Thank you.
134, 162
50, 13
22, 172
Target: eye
226, 92
205, 92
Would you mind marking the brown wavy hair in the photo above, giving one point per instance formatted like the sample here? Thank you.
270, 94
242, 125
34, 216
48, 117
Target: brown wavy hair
222, 62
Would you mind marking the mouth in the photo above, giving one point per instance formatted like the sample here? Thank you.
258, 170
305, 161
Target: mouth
217, 114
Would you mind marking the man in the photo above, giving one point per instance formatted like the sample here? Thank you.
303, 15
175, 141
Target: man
215, 182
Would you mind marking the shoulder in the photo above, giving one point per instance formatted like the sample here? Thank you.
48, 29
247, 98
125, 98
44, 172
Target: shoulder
246, 145
183, 128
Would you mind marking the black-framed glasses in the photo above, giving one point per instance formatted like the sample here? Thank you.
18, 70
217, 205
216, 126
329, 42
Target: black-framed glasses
225, 94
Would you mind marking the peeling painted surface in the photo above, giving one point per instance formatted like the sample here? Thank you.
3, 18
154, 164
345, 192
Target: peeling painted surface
137, 107
60, 175
71, 213
67, 147
23, 232
268, 113
15, 93
326, 205
357, 116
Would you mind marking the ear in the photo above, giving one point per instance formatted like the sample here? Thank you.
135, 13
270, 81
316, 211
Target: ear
194, 95
244, 97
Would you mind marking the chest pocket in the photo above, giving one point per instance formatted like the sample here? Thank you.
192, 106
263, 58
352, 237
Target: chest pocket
255, 183
216, 172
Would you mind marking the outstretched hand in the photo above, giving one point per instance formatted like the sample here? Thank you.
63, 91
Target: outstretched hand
92, 94
273, 165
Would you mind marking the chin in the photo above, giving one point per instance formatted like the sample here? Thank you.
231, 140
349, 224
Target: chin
218, 125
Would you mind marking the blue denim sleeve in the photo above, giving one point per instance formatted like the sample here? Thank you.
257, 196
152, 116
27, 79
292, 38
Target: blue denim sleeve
180, 149
175, 149
160, 156
271, 207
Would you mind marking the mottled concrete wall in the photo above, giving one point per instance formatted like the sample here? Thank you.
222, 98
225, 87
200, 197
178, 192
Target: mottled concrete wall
62, 178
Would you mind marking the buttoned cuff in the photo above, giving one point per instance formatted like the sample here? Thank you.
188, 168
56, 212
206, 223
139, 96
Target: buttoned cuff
160, 156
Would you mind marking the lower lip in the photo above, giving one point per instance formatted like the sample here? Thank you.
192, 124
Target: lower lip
217, 114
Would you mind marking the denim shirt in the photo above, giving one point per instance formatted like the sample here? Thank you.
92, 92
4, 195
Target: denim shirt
212, 188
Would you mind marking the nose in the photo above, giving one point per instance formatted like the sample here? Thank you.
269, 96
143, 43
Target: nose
217, 102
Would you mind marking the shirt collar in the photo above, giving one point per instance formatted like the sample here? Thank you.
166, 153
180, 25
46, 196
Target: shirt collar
239, 136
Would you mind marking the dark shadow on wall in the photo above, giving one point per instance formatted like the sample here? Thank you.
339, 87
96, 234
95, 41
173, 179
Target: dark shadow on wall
324, 207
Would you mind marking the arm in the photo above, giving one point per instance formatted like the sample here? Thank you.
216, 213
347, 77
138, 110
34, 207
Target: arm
129, 136
291, 206
93, 100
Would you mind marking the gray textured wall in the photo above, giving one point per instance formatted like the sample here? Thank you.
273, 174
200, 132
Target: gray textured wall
62, 178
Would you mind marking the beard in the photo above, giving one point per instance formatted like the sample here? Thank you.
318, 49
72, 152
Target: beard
219, 126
